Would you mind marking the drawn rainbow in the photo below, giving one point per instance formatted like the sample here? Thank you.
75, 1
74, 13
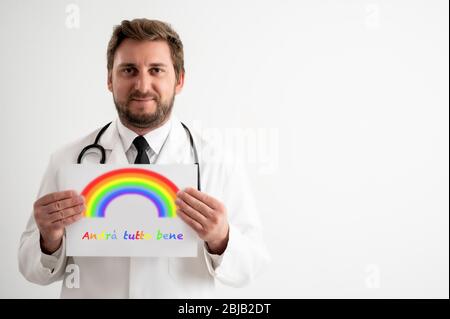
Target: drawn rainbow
101, 191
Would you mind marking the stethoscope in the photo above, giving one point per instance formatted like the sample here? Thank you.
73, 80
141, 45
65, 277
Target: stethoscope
97, 146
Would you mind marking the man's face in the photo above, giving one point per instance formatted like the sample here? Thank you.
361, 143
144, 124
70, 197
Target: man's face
143, 82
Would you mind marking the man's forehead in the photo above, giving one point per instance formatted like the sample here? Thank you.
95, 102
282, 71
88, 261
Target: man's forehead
132, 51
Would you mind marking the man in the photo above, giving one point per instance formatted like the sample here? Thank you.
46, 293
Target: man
145, 72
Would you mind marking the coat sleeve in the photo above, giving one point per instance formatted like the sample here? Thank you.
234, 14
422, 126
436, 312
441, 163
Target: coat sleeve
34, 265
246, 254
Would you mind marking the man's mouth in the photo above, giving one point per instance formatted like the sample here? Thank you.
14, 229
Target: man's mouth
146, 99
141, 102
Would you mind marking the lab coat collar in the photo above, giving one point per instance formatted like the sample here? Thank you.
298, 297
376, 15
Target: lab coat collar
110, 137
173, 151
155, 138
177, 149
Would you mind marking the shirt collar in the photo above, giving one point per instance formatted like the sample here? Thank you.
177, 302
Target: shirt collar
155, 138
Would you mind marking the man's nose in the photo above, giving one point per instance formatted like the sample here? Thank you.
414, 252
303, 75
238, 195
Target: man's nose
143, 82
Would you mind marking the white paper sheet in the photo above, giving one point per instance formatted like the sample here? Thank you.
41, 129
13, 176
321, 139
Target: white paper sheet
132, 224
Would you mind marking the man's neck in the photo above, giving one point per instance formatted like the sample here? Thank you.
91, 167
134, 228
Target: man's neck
142, 130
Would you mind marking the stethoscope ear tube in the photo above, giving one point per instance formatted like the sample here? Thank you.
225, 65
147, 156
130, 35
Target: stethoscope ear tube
194, 150
198, 177
97, 146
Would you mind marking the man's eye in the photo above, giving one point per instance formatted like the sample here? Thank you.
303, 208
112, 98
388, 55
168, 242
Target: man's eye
128, 70
156, 70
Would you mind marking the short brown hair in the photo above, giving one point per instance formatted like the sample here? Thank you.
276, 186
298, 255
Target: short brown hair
151, 30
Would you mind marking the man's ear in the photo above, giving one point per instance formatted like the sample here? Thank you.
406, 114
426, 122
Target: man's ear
109, 80
180, 83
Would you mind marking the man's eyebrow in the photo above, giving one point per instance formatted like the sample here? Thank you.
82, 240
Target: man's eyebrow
156, 64
126, 65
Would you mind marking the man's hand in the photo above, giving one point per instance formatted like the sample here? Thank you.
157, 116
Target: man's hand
52, 213
206, 215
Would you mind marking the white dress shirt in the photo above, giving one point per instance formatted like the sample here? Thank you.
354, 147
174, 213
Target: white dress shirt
154, 138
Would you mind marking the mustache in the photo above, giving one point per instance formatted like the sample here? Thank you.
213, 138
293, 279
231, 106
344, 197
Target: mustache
140, 95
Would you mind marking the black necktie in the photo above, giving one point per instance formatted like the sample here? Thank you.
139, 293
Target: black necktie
142, 146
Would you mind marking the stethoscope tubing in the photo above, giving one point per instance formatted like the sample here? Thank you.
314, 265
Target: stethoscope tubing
98, 146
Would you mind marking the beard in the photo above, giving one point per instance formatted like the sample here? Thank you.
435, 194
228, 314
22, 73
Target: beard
141, 119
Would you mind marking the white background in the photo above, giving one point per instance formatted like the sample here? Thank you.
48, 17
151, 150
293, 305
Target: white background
344, 108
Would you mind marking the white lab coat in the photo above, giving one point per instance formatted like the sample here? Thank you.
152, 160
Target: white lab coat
151, 277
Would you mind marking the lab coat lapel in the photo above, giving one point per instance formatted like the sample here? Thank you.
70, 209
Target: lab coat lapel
176, 149
112, 144
118, 155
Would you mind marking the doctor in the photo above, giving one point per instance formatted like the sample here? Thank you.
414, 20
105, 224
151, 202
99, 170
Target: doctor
145, 72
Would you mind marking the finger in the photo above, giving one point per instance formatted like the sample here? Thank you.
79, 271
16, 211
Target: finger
71, 219
66, 213
195, 204
191, 212
62, 204
53, 197
204, 198
197, 227
67, 221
